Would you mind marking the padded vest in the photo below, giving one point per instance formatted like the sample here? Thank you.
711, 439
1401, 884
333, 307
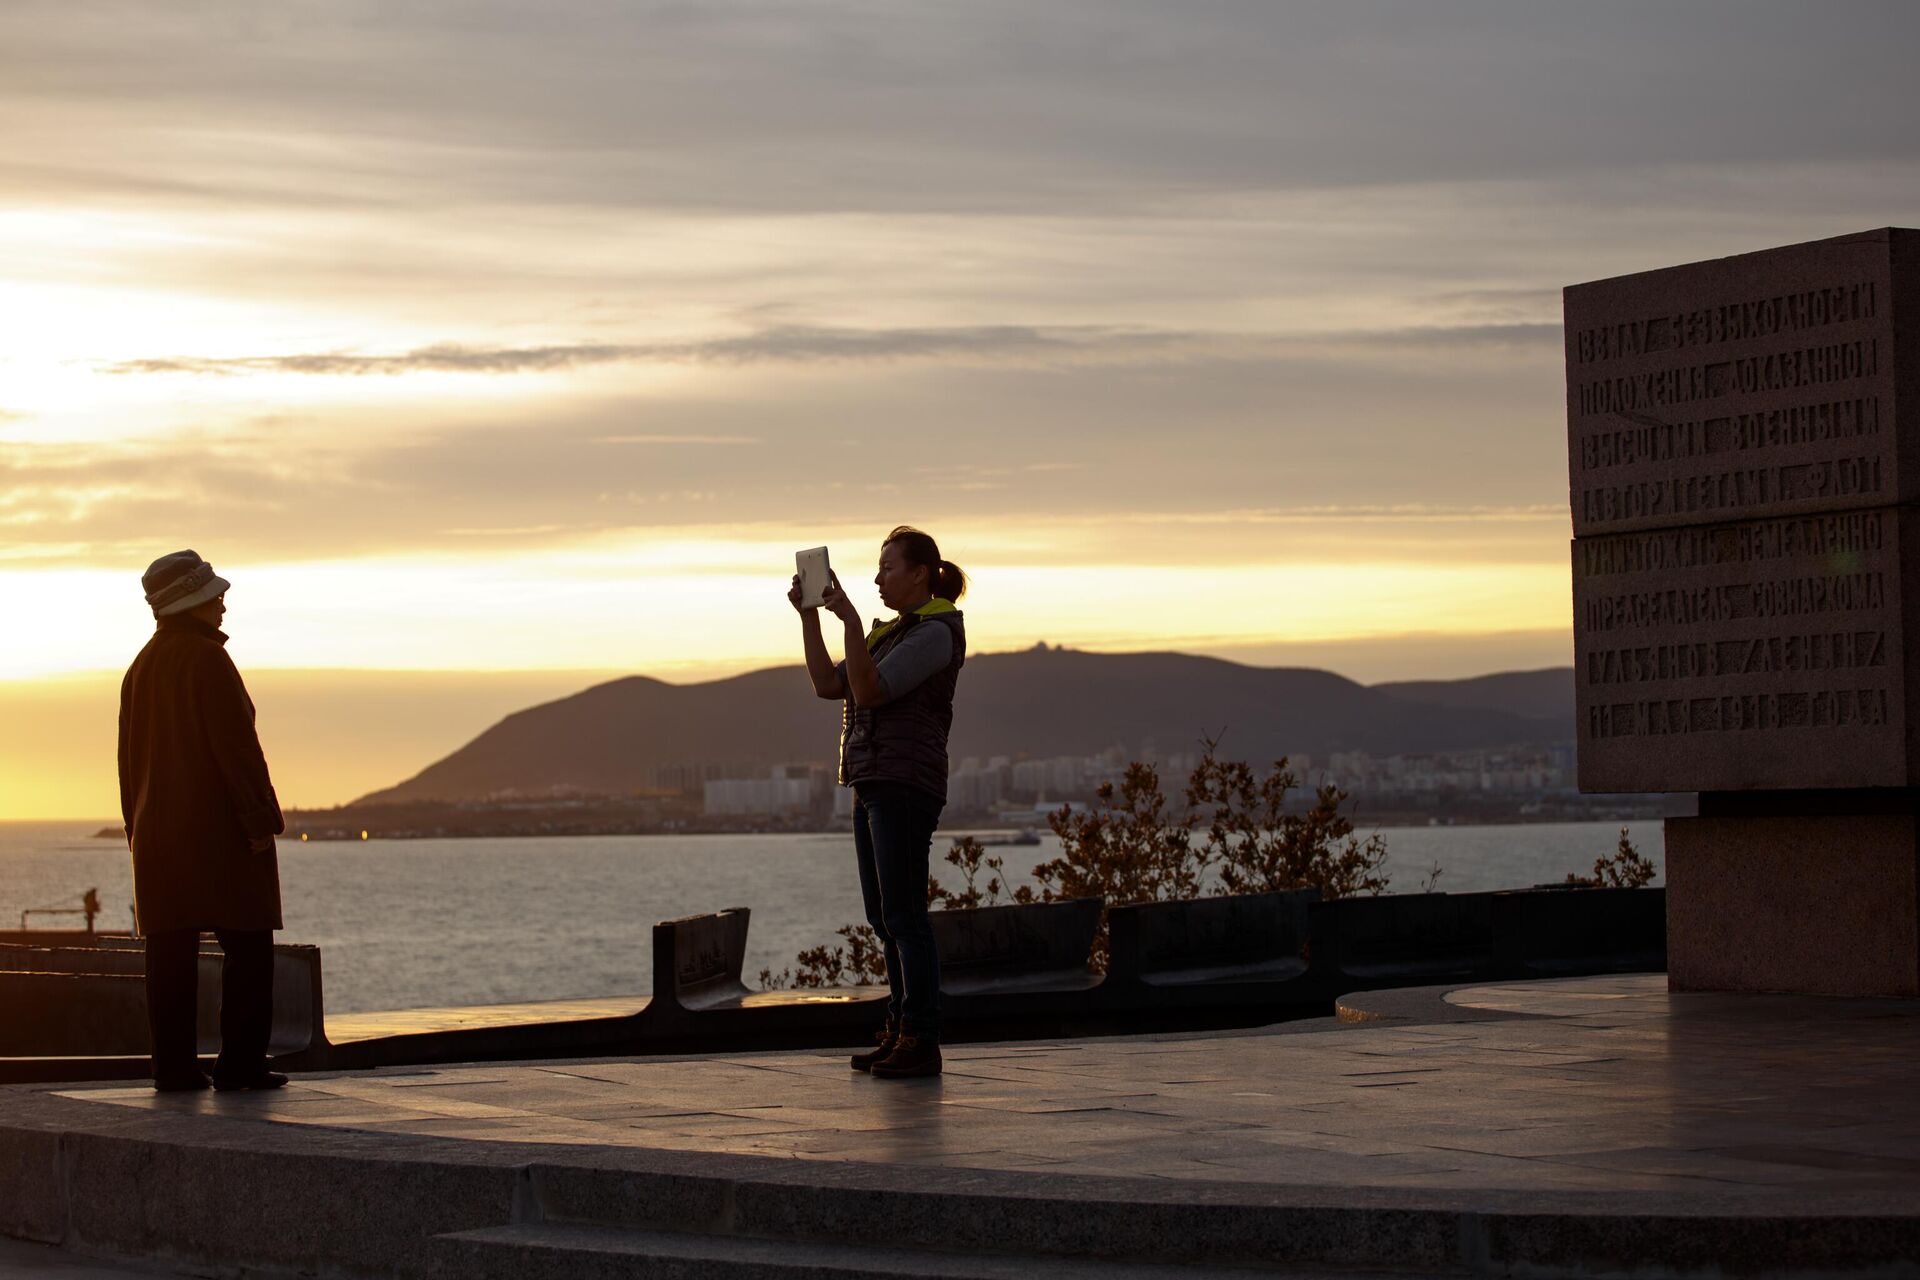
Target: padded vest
905, 740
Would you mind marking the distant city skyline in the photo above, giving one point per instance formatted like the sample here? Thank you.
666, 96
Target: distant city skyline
530, 344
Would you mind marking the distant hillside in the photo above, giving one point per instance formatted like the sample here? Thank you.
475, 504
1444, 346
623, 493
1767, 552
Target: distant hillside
1540, 695
1043, 702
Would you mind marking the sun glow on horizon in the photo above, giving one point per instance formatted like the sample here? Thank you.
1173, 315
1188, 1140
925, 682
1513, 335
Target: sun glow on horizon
654, 603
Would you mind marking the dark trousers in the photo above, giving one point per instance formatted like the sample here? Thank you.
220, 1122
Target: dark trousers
246, 1000
892, 837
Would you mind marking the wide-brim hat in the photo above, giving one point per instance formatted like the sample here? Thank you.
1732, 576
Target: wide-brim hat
181, 581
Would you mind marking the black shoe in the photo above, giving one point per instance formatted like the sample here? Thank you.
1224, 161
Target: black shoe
912, 1056
189, 1081
262, 1079
883, 1045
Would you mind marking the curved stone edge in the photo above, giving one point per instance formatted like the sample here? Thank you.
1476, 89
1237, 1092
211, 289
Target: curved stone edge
1419, 1005
231, 1191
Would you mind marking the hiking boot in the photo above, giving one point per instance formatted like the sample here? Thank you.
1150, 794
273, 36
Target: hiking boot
883, 1045
262, 1079
911, 1056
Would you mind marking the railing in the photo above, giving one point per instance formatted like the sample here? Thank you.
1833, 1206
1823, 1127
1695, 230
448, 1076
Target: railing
89, 907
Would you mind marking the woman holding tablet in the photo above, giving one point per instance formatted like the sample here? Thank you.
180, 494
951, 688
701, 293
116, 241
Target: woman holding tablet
896, 689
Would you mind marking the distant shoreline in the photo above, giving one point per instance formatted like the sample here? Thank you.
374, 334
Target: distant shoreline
336, 826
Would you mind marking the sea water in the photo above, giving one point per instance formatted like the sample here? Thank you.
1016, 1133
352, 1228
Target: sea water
410, 923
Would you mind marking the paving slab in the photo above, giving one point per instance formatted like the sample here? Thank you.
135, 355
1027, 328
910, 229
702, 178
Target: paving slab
1680, 1089
24, 1260
1581, 1101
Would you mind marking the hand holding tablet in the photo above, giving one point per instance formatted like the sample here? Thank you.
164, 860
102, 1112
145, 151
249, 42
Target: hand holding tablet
815, 576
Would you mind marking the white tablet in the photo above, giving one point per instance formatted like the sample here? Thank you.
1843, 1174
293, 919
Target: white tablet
811, 564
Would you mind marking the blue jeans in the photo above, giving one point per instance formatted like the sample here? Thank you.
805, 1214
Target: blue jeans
892, 837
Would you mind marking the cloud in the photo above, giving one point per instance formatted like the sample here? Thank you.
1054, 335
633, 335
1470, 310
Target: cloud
791, 344
1295, 445
1222, 283
1503, 305
509, 531
803, 344
1475, 335
112, 502
1360, 513
808, 344
672, 439
433, 359
996, 105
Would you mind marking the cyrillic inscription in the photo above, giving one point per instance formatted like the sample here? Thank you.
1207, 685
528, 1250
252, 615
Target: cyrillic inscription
1815, 651
1799, 601
1747, 375
1732, 322
1699, 606
1667, 550
1737, 713
1740, 516
1648, 440
1731, 491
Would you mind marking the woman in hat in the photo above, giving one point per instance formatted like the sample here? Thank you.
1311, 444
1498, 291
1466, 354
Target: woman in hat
200, 815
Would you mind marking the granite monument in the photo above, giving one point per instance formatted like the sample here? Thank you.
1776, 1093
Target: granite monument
1746, 518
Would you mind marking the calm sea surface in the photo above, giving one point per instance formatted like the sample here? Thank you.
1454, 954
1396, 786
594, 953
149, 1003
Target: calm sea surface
409, 923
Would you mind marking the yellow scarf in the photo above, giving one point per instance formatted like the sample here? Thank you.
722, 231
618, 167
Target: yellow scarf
927, 610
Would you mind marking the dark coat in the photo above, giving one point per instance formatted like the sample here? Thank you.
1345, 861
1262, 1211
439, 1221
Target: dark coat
194, 787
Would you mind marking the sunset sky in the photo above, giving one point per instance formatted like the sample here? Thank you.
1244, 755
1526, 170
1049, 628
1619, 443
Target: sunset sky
523, 344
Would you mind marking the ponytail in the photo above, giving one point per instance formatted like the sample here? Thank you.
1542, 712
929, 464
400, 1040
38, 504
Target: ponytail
949, 583
944, 578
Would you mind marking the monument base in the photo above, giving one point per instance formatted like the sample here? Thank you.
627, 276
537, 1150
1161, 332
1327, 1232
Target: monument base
1817, 905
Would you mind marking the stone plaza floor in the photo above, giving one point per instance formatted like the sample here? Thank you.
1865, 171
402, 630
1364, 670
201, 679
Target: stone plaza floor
1576, 1085
23, 1260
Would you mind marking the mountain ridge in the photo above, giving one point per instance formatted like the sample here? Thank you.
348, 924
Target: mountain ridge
611, 738
1544, 693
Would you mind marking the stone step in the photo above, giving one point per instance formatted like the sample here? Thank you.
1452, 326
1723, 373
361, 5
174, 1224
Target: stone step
577, 1251
968, 1213
217, 1184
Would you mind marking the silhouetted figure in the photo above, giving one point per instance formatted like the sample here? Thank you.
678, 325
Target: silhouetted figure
896, 685
201, 816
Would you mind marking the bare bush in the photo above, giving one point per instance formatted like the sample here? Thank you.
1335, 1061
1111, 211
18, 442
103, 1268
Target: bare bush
972, 858
1127, 848
1624, 868
1260, 847
862, 962
1133, 846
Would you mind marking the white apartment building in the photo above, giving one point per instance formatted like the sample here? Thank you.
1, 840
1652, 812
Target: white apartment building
757, 797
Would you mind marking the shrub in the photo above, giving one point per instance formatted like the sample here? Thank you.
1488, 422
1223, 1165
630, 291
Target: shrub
1131, 846
972, 857
1127, 848
862, 962
1262, 848
1624, 868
